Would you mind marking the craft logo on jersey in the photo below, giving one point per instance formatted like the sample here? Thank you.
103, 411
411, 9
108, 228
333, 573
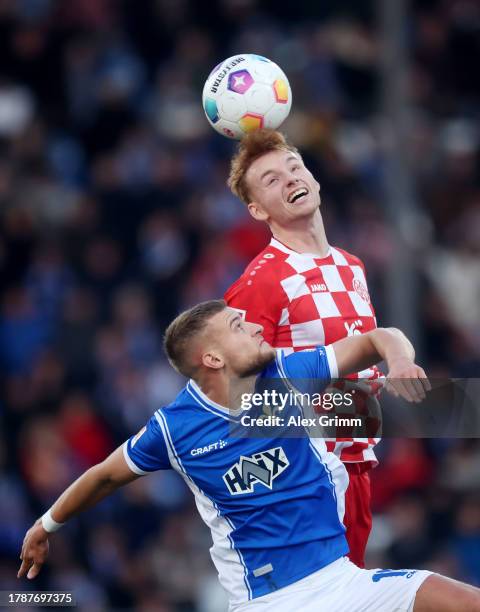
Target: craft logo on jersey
201, 450
260, 468
361, 290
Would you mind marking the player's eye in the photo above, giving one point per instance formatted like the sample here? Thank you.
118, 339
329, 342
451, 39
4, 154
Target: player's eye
272, 180
297, 167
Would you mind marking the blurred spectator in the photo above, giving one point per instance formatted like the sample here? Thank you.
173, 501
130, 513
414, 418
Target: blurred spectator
23, 331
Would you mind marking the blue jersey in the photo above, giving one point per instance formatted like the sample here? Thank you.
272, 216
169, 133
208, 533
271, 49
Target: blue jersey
274, 506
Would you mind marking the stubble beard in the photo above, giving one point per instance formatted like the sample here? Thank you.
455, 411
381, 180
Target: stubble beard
257, 365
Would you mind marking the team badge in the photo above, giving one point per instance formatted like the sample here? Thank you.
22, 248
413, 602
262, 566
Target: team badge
361, 290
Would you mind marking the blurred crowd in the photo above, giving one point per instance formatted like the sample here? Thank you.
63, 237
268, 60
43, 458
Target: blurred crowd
115, 215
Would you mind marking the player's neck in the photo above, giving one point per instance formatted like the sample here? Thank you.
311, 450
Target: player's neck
304, 235
226, 391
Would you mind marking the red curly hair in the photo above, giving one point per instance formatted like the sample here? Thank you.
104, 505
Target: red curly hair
252, 146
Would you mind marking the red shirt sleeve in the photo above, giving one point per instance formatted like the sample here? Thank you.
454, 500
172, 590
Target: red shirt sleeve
258, 302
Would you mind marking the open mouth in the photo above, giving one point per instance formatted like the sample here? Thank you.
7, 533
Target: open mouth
297, 195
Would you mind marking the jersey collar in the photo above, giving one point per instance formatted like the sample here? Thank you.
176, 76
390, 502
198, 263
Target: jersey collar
281, 247
205, 402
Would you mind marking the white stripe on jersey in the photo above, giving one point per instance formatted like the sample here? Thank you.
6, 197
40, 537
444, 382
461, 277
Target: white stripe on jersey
216, 409
130, 463
223, 553
337, 473
332, 361
198, 399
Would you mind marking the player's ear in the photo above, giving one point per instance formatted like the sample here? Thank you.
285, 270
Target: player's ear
257, 211
212, 360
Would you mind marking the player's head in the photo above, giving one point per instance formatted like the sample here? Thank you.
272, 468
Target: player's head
267, 174
211, 337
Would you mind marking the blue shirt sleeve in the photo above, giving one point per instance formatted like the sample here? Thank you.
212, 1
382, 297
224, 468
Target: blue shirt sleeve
147, 451
315, 369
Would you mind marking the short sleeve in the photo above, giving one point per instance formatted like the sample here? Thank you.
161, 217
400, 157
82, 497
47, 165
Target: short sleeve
317, 364
146, 451
257, 304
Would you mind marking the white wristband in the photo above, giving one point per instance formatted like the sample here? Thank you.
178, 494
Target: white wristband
49, 524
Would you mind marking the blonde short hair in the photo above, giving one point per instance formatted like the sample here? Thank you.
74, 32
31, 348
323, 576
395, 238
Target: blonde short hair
253, 146
182, 330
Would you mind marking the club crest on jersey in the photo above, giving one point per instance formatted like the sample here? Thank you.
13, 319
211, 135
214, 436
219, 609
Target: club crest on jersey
361, 290
260, 468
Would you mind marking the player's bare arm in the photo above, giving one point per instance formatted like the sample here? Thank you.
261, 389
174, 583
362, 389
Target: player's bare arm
91, 487
405, 378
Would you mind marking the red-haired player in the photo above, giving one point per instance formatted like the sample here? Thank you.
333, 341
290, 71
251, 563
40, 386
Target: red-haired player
305, 292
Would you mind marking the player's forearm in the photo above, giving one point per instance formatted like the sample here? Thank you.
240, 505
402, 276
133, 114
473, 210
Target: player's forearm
90, 488
391, 345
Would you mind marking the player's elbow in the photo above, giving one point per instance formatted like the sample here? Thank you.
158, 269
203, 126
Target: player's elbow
380, 338
380, 333
383, 336
385, 332
399, 334
395, 331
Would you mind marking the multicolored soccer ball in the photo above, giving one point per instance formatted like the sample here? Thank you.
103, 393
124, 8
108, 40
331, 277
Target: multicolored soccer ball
244, 93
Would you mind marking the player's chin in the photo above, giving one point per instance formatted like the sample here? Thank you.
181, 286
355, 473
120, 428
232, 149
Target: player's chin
265, 347
266, 351
263, 358
303, 209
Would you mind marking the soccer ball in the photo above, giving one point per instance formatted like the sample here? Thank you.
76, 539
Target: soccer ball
244, 93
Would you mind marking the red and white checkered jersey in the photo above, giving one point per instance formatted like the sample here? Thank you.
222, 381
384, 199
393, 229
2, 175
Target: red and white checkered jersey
302, 301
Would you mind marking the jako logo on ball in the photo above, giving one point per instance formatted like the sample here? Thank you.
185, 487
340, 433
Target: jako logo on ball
244, 93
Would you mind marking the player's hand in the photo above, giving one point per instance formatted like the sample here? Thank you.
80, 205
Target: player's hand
408, 380
34, 551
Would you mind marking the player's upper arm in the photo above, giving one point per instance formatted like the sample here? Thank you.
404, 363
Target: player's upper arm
354, 353
115, 469
147, 451
256, 303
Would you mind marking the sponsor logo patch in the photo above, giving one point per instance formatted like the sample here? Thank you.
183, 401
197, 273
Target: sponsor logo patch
260, 468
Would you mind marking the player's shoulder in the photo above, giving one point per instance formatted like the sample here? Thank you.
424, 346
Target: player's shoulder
184, 415
263, 273
183, 402
351, 259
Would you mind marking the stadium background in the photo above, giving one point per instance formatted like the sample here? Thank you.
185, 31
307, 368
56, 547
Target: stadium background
114, 215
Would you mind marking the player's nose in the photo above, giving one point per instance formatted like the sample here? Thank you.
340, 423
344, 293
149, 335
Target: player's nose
256, 329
